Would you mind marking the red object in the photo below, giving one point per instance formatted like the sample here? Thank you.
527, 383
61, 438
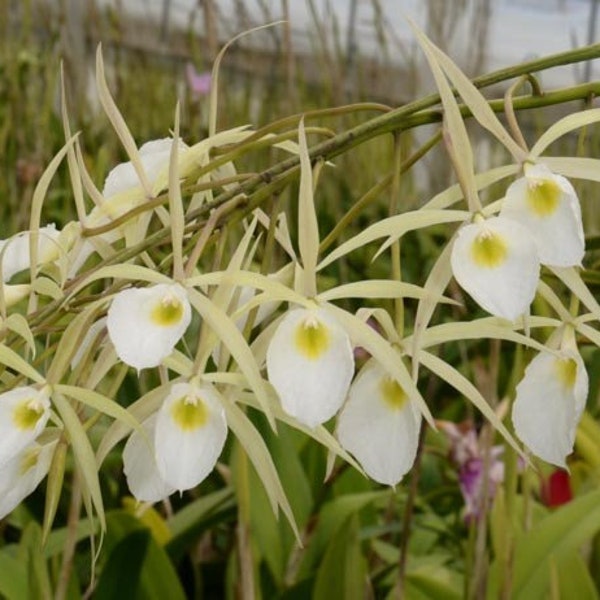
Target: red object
556, 489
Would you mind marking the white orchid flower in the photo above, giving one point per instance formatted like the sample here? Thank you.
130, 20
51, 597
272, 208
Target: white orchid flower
379, 425
15, 255
154, 156
496, 262
139, 460
144, 324
120, 195
24, 413
549, 403
190, 434
23, 473
547, 205
310, 364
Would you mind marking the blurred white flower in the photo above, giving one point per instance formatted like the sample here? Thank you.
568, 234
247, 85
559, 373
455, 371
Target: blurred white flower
380, 425
547, 205
190, 434
144, 324
15, 250
24, 413
496, 262
22, 474
310, 364
141, 471
154, 156
549, 402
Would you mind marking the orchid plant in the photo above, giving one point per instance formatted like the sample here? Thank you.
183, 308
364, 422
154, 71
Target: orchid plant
152, 285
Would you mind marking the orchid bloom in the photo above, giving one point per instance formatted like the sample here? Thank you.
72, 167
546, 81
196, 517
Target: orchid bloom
547, 205
180, 444
496, 261
15, 250
467, 455
379, 425
22, 473
549, 403
24, 412
310, 364
144, 324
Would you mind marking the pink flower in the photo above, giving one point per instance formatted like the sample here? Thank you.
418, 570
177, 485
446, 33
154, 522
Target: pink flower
198, 83
467, 455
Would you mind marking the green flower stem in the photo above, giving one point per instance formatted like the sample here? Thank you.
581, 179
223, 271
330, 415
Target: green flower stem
396, 264
404, 118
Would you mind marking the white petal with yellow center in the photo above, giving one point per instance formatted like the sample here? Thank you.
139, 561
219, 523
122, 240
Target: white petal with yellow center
380, 425
549, 402
310, 364
144, 324
496, 262
140, 468
23, 473
547, 205
24, 413
190, 434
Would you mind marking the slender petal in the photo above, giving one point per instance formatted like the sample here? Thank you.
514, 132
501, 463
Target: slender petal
310, 364
547, 205
144, 324
139, 464
496, 262
380, 425
190, 434
549, 402
24, 412
23, 473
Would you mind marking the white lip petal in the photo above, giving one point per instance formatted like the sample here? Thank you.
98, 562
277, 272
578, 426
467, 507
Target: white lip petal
24, 413
22, 474
139, 465
496, 262
379, 425
144, 324
547, 205
310, 364
549, 402
190, 434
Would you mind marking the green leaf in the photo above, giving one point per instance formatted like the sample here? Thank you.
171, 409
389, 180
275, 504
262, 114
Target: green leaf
187, 524
552, 539
136, 567
332, 517
258, 453
574, 580
342, 573
13, 576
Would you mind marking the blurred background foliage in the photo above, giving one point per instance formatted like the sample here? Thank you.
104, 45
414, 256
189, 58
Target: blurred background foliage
357, 537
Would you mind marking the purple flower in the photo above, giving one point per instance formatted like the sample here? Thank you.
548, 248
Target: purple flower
198, 83
467, 455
